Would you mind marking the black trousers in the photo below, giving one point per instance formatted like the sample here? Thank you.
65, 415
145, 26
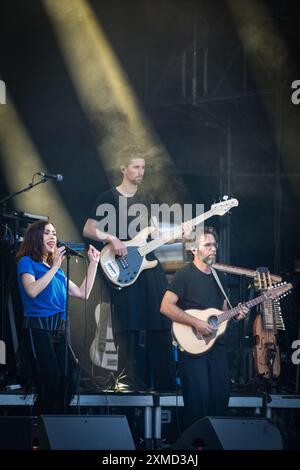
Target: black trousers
205, 384
47, 352
146, 359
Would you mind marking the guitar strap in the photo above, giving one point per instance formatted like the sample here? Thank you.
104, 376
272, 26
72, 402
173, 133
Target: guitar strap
214, 272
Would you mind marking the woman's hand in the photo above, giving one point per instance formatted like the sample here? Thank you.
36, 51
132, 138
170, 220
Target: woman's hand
93, 254
58, 257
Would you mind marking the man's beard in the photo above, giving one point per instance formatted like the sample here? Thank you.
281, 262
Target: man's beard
209, 260
137, 181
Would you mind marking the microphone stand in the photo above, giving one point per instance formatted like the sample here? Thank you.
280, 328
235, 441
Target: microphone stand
68, 254
27, 188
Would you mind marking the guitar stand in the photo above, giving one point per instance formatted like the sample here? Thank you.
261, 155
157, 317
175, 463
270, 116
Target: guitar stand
245, 358
267, 412
270, 386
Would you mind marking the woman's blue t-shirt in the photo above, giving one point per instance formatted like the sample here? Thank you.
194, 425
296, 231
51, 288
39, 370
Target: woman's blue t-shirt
52, 299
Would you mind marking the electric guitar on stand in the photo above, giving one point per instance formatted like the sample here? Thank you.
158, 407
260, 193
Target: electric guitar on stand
123, 272
103, 352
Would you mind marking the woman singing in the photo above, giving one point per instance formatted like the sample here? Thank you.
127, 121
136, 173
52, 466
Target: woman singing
42, 285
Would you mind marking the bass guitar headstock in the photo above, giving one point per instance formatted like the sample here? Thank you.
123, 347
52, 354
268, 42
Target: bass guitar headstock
220, 208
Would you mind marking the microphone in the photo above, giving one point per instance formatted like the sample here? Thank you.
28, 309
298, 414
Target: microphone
53, 177
69, 251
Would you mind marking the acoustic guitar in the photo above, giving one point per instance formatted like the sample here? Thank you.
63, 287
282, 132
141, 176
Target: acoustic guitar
192, 341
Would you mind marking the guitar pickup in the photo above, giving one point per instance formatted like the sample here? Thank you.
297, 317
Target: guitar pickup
110, 269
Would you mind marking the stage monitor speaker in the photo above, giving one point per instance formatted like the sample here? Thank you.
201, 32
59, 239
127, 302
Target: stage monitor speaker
16, 432
230, 434
106, 432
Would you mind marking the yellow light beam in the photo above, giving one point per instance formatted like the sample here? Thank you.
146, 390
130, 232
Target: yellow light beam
104, 90
267, 45
19, 161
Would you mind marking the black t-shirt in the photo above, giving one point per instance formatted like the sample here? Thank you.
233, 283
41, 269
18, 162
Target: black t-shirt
120, 213
136, 307
198, 290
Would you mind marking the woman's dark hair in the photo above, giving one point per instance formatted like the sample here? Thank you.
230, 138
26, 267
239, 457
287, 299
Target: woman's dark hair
33, 245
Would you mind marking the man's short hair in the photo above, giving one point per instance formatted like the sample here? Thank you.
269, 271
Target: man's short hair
192, 246
210, 231
207, 230
129, 153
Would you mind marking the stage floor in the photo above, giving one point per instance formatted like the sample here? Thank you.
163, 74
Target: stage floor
156, 411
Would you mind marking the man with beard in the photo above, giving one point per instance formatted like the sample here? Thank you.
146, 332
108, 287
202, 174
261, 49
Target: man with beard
205, 378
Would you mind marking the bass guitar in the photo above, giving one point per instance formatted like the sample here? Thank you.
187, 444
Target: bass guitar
123, 272
192, 341
103, 352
